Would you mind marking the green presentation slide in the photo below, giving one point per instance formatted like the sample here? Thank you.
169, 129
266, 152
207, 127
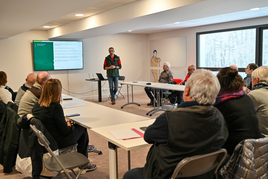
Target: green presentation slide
43, 55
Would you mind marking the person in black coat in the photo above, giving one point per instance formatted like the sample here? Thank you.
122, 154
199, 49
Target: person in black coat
196, 127
237, 108
50, 112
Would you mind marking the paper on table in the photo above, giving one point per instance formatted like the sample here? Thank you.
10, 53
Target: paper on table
124, 134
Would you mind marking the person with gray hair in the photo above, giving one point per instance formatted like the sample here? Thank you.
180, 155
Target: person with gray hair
190, 69
32, 95
259, 78
194, 128
30, 80
209, 84
177, 95
165, 77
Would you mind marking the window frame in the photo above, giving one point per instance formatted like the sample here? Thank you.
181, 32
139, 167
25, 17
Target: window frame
258, 44
260, 41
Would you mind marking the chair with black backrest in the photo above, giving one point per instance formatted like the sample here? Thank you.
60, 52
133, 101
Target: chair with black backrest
121, 78
60, 162
199, 164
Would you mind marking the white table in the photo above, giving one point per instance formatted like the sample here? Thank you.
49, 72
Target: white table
95, 115
124, 144
158, 86
73, 102
101, 119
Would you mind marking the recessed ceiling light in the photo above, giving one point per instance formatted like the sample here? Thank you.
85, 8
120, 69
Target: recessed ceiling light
176, 22
129, 30
254, 9
46, 26
79, 14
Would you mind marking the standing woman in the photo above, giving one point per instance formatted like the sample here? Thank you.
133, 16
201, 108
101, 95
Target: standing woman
237, 109
50, 112
5, 95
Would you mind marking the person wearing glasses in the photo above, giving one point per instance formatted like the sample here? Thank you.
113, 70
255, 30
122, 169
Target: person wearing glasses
165, 77
112, 64
178, 94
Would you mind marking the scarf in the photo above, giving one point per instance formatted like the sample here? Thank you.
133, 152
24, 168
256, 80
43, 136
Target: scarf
229, 95
260, 85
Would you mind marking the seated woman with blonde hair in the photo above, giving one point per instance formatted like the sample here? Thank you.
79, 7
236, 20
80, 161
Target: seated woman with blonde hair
237, 109
50, 112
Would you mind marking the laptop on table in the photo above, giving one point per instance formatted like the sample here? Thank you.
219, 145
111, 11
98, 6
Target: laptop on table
100, 76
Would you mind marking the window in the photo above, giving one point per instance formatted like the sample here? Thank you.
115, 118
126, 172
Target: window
265, 48
222, 49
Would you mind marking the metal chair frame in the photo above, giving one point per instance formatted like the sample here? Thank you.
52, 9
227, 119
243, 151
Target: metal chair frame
59, 165
121, 78
199, 164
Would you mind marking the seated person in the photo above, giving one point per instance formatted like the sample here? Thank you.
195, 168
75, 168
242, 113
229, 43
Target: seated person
234, 67
50, 112
259, 95
247, 80
194, 128
237, 108
5, 95
165, 77
32, 95
178, 94
30, 80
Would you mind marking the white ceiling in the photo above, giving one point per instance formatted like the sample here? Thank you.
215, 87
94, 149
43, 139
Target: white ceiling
119, 16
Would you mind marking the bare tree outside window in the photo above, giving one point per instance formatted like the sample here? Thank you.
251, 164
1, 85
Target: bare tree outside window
221, 49
265, 48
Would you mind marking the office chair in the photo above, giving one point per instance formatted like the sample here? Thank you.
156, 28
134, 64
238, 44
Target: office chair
199, 164
60, 162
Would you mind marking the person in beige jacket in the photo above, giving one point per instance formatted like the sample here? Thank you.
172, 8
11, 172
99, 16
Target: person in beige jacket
259, 94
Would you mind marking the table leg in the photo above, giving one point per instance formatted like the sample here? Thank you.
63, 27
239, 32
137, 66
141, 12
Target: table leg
128, 98
158, 108
99, 91
128, 153
113, 163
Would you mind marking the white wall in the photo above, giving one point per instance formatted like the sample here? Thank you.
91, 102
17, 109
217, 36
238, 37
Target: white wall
190, 34
132, 50
16, 61
16, 56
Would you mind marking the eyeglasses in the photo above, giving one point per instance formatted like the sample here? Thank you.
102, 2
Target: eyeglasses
190, 69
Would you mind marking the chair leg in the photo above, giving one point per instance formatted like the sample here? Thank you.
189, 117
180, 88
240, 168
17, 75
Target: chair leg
73, 172
121, 94
67, 174
95, 150
58, 174
78, 174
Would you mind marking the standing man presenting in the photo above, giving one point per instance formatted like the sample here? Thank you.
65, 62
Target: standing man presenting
112, 64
